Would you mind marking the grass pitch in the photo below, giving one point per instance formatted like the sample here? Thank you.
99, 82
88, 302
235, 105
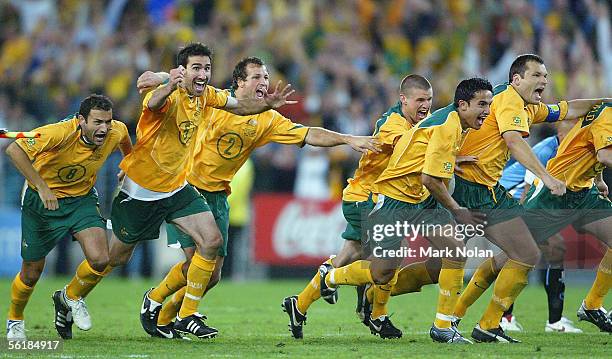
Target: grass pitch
251, 324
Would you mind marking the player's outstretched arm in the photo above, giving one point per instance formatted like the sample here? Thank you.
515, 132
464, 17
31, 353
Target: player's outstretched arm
580, 107
524, 154
321, 137
23, 164
273, 100
438, 189
160, 95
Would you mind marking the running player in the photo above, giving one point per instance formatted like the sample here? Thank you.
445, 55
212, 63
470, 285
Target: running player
60, 168
412, 190
415, 98
155, 187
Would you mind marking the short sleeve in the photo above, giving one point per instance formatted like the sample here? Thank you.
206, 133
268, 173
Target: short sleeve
286, 132
601, 130
215, 97
389, 132
511, 116
549, 113
171, 98
440, 155
50, 137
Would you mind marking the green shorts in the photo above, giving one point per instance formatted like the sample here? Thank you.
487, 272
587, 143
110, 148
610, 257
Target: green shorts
389, 211
217, 201
548, 214
41, 229
354, 213
134, 220
497, 203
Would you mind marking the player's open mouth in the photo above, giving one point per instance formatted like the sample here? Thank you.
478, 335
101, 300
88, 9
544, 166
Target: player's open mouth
481, 119
100, 136
198, 86
260, 92
422, 114
539, 91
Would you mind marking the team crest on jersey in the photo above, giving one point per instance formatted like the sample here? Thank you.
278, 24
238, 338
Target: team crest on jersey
250, 129
447, 167
516, 121
186, 131
31, 141
609, 139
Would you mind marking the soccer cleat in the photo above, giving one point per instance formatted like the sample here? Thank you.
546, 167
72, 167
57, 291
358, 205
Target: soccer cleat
63, 316
15, 330
330, 295
455, 322
296, 319
194, 324
168, 332
149, 312
595, 316
80, 314
364, 307
510, 324
447, 335
495, 335
563, 325
383, 327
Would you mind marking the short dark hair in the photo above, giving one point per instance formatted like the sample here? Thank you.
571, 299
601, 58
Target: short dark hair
466, 90
519, 65
414, 81
240, 69
95, 102
193, 49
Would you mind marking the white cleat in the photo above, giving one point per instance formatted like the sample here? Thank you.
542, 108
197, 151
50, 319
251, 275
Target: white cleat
564, 325
15, 330
511, 325
80, 315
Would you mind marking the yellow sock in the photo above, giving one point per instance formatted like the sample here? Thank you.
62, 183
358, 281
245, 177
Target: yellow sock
173, 281
104, 273
198, 275
602, 283
411, 278
381, 295
83, 281
451, 283
171, 308
20, 294
510, 282
481, 280
310, 293
356, 273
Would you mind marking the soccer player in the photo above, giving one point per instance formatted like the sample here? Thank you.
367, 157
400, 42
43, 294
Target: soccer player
60, 199
224, 146
414, 104
155, 187
517, 180
412, 190
516, 106
580, 161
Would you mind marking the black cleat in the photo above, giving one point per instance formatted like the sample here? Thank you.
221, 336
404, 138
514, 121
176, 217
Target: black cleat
447, 335
597, 317
168, 332
383, 327
455, 322
330, 295
194, 324
296, 319
149, 312
63, 316
495, 335
364, 308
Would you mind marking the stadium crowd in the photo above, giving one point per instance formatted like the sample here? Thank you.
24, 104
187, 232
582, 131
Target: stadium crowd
344, 58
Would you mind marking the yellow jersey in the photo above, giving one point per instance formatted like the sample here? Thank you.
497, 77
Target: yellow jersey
389, 128
166, 139
576, 160
430, 147
67, 164
508, 113
227, 140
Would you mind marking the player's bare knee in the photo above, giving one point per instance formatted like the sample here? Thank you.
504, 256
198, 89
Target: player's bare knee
99, 262
31, 275
384, 276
